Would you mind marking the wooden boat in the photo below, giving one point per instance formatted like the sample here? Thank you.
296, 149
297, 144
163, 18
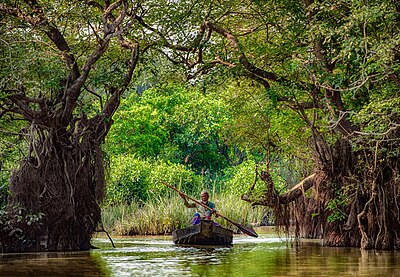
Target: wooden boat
205, 233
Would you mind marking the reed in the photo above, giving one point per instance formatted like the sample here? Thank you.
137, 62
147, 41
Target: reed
161, 215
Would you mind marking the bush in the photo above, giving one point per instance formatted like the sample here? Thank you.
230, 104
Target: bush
137, 180
239, 178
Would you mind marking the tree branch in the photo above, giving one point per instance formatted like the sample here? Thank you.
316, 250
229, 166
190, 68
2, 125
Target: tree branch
112, 104
298, 190
166, 43
256, 71
56, 37
111, 30
290, 196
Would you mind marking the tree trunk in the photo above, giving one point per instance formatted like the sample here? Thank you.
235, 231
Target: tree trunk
63, 181
355, 204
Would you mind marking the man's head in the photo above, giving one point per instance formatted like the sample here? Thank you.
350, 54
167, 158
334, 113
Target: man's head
204, 196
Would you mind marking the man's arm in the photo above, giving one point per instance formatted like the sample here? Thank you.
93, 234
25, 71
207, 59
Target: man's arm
213, 210
187, 204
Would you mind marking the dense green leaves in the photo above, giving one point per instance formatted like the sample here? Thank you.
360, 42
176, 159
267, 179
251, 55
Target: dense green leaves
137, 180
172, 123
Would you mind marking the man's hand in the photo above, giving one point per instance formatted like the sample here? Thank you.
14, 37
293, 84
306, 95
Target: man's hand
214, 212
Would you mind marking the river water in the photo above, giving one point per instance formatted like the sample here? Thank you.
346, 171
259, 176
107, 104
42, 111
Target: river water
157, 256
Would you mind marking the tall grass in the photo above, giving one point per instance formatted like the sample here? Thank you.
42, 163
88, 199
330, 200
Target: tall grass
160, 216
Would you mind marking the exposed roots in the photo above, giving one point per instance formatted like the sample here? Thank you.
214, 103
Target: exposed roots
354, 200
63, 179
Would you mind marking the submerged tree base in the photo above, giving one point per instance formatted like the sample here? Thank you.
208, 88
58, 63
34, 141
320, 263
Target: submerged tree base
352, 201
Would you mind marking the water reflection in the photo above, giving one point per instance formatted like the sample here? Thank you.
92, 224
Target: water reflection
263, 256
53, 264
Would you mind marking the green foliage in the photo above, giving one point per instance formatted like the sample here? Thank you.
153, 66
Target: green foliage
379, 115
137, 130
127, 180
136, 180
12, 150
337, 208
240, 178
11, 225
260, 126
359, 39
172, 123
140, 125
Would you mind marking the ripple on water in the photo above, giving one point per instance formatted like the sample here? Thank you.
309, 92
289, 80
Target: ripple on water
149, 267
240, 240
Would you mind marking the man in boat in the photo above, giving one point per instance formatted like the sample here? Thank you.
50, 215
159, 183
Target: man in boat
202, 213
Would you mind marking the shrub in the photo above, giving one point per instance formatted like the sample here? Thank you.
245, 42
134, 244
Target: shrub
136, 180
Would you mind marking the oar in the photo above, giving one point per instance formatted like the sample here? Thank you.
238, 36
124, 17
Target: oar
245, 230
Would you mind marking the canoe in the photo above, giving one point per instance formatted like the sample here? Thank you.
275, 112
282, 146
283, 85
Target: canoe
205, 233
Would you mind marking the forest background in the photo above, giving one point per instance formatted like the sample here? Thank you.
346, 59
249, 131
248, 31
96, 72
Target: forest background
244, 98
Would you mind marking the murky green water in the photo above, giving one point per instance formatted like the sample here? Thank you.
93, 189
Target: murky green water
263, 256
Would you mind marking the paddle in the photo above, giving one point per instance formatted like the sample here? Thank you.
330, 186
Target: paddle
246, 230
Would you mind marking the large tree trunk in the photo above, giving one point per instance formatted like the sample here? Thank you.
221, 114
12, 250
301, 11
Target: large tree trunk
63, 180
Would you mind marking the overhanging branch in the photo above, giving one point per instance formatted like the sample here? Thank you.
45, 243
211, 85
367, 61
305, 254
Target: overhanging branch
290, 196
